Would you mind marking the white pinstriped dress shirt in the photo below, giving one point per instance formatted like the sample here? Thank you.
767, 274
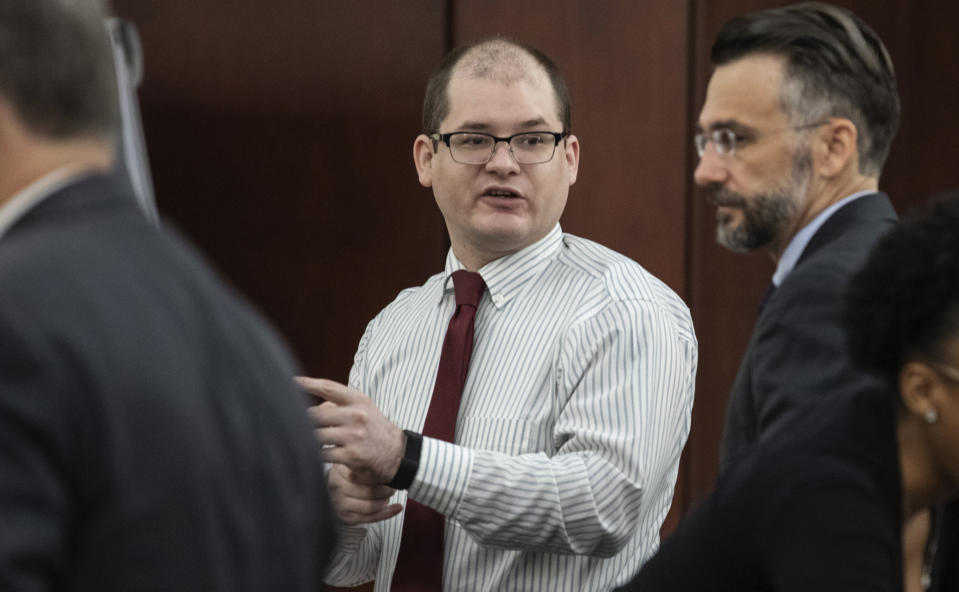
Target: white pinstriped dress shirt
573, 417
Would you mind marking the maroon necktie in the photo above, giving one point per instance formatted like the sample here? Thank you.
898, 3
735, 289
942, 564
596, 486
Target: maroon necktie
419, 566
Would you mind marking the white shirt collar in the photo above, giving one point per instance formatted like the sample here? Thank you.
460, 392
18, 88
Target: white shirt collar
31, 195
506, 276
798, 243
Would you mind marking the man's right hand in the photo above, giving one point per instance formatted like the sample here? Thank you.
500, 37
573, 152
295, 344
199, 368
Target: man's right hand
357, 503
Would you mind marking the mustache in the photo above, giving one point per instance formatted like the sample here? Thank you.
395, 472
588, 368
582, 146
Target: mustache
719, 196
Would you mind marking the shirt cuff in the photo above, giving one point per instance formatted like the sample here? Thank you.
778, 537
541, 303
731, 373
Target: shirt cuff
443, 476
349, 538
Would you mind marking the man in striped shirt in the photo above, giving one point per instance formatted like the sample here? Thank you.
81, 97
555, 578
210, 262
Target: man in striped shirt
577, 401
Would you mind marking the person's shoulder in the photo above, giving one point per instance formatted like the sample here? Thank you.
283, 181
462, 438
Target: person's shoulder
74, 224
832, 257
36, 267
621, 277
78, 265
846, 238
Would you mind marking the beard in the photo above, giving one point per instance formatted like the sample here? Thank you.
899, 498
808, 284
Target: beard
766, 215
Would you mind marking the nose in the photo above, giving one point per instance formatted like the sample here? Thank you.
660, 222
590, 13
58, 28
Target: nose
502, 160
711, 168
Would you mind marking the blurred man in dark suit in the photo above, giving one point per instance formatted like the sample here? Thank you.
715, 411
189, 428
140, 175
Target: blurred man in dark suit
151, 437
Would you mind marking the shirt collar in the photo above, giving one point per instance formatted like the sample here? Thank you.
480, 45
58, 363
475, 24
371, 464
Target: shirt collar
798, 243
31, 195
506, 276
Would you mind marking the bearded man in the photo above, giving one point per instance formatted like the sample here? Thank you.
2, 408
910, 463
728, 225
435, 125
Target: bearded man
799, 115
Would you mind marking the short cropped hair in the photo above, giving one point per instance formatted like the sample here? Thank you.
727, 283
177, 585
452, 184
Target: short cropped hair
436, 105
904, 303
56, 67
836, 66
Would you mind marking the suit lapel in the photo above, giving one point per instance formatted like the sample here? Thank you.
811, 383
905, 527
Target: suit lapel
875, 207
87, 196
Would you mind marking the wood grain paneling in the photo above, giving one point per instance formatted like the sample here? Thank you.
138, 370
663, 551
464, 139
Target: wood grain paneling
280, 137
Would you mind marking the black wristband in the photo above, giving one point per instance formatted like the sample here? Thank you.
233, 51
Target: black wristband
410, 462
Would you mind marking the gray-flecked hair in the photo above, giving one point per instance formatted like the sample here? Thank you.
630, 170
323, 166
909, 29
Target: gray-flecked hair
836, 66
56, 67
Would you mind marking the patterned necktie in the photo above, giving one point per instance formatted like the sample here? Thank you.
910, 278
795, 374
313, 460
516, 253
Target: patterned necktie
419, 566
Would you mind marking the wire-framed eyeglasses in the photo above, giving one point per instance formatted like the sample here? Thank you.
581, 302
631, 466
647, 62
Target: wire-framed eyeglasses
478, 148
725, 139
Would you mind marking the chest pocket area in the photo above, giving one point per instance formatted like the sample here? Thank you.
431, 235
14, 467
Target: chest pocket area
505, 435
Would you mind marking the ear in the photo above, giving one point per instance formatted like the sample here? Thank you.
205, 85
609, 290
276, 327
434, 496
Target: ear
919, 387
836, 144
571, 152
423, 159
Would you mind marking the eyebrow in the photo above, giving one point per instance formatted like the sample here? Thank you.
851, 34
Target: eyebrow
731, 124
480, 126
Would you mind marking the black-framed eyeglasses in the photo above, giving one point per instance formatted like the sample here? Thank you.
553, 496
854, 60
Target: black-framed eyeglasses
725, 139
478, 148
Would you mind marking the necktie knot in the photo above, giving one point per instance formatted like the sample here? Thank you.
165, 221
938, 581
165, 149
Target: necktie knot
468, 286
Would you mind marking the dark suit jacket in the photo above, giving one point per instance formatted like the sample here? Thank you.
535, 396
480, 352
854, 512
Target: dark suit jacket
151, 438
797, 353
945, 571
818, 512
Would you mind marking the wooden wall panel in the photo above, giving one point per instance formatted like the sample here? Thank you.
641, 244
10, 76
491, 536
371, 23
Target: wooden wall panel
280, 136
